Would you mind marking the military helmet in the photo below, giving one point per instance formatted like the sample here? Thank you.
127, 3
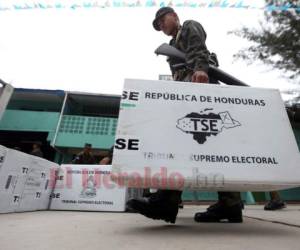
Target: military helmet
160, 13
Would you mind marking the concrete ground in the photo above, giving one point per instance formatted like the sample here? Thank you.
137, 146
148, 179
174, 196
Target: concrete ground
56, 230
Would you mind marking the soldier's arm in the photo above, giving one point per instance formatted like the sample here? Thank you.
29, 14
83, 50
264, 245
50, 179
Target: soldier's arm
196, 51
197, 54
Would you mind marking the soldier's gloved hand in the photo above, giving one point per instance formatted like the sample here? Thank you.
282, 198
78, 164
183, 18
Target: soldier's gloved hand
200, 76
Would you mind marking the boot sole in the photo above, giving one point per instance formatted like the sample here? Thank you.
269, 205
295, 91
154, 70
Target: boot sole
273, 209
236, 219
148, 212
229, 220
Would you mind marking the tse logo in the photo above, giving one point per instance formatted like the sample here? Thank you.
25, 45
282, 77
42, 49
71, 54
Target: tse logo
55, 196
130, 144
130, 95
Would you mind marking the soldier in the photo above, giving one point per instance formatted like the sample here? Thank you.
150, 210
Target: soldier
85, 156
275, 203
190, 39
36, 150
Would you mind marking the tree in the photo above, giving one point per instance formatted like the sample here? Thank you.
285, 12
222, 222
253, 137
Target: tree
277, 42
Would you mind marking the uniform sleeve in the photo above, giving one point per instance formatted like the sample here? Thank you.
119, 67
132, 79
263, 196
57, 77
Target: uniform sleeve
196, 51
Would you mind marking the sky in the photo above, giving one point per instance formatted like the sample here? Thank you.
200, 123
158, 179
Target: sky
95, 49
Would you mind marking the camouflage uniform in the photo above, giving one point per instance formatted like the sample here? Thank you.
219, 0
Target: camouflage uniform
190, 40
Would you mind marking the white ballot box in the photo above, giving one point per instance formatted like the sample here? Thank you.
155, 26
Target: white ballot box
176, 135
89, 188
26, 181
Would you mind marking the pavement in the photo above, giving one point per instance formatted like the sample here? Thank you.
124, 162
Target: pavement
57, 230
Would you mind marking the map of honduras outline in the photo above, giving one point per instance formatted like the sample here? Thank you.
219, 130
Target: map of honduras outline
90, 190
204, 124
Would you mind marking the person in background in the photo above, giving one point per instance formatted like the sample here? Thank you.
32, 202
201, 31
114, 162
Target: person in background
36, 150
86, 156
275, 203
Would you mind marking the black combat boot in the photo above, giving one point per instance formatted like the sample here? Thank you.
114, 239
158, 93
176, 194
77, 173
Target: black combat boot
275, 205
220, 212
162, 205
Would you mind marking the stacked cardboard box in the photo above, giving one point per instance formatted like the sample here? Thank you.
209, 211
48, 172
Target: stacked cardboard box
30, 183
87, 187
26, 181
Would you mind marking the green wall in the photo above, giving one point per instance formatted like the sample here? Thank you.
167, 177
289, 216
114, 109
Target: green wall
78, 141
75, 131
19, 120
